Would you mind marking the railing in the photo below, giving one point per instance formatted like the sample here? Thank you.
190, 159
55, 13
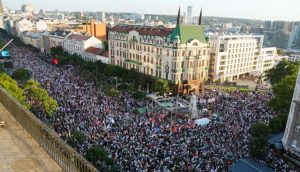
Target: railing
65, 156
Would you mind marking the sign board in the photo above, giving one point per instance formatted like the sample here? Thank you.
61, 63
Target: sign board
5, 54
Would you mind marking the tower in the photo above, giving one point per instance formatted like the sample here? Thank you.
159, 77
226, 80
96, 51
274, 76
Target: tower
200, 18
178, 17
1, 7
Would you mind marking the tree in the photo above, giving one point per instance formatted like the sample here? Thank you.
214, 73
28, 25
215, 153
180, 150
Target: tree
275, 125
21, 75
1, 68
283, 94
257, 146
281, 70
11, 86
89, 66
39, 97
96, 153
57, 51
280, 52
161, 86
105, 43
259, 130
76, 138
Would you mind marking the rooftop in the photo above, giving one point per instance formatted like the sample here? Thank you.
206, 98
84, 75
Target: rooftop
19, 152
143, 30
97, 51
77, 37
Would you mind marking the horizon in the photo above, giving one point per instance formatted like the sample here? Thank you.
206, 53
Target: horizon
255, 10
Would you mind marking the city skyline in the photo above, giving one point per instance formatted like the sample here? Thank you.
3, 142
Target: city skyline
262, 10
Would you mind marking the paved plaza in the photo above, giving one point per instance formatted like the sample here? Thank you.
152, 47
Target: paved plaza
19, 152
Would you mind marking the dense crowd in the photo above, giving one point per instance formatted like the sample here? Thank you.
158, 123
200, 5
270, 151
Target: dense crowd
147, 142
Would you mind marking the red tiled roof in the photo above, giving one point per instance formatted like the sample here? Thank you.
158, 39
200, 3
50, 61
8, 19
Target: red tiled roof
143, 30
105, 54
93, 50
97, 51
79, 37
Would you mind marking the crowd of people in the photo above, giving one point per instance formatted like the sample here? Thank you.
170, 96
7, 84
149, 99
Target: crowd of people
146, 142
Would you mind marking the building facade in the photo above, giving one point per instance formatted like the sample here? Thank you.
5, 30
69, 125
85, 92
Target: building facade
180, 54
96, 54
77, 44
234, 56
294, 58
23, 25
56, 38
291, 138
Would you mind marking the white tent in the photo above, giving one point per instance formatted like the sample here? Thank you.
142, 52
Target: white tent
202, 122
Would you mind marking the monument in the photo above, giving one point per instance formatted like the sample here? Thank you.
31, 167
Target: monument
193, 106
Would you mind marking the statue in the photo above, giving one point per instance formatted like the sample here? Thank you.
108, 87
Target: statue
193, 106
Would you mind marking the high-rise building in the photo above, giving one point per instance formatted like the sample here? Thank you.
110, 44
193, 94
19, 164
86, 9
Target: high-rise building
268, 25
27, 8
103, 18
291, 138
235, 56
179, 54
1, 7
294, 39
189, 14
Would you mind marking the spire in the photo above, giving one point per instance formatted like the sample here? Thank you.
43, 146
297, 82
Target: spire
178, 17
200, 17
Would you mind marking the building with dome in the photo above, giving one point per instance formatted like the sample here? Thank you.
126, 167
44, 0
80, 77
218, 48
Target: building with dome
179, 54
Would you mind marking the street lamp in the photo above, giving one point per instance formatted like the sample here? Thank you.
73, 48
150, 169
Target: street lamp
167, 68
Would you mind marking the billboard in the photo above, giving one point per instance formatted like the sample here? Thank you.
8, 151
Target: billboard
5, 54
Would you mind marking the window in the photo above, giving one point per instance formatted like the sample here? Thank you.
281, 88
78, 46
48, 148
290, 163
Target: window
294, 143
298, 128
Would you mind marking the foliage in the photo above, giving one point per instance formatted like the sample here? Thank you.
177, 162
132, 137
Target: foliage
259, 130
1, 68
280, 52
283, 119
11, 86
283, 94
281, 70
138, 95
161, 86
76, 138
38, 96
108, 90
257, 146
96, 153
21, 75
275, 125
105, 43
88, 66
57, 51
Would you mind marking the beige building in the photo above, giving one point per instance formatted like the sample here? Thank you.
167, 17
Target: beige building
291, 138
179, 54
234, 56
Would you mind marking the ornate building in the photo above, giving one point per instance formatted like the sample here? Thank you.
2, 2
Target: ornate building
179, 54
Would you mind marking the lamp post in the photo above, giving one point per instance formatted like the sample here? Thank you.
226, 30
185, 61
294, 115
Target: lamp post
167, 68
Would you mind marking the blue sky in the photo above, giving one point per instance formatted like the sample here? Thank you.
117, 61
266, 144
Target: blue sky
254, 9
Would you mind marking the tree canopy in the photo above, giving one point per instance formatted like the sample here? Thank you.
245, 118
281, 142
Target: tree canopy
281, 70
21, 75
39, 97
11, 86
161, 86
283, 92
259, 130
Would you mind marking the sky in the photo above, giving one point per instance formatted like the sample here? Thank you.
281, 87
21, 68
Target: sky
251, 9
